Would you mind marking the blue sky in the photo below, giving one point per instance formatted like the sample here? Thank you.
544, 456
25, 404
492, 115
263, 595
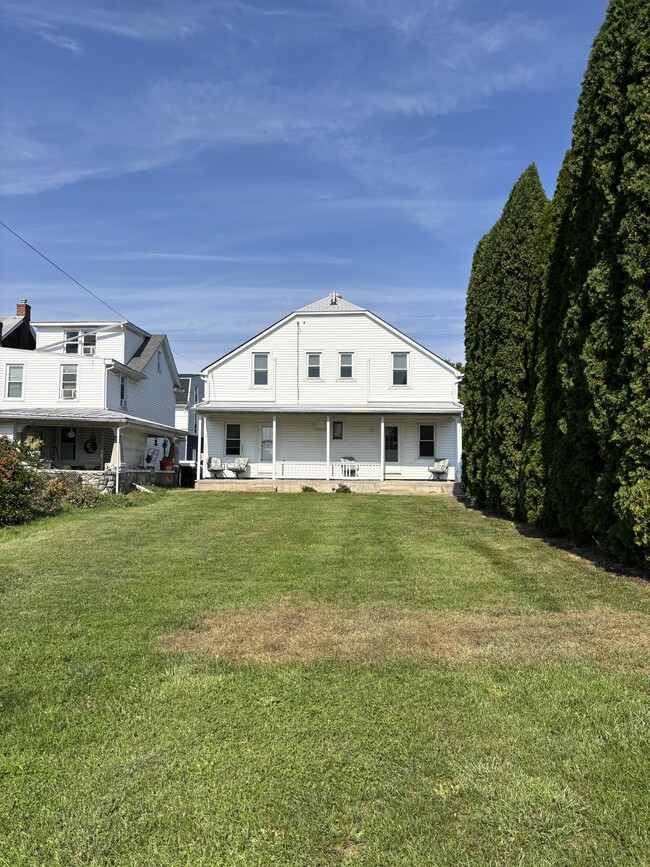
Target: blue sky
209, 166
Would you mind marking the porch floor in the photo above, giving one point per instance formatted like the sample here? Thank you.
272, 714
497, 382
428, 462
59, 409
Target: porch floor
294, 486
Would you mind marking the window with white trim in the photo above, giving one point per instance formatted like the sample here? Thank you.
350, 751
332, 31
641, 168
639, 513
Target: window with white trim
15, 378
233, 439
69, 381
313, 365
427, 441
80, 342
260, 368
400, 368
345, 365
71, 343
123, 390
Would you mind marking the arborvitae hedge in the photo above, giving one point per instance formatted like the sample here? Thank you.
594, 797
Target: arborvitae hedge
586, 426
497, 348
601, 471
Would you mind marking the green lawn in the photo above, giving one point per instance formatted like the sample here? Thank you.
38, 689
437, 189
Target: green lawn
116, 750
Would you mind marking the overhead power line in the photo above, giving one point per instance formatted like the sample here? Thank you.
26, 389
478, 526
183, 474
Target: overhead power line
81, 285
58, 268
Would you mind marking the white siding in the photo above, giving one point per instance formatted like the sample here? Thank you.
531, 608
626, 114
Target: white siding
153, 398
329, 334
42, 380
302, 438
110, 344
132, 342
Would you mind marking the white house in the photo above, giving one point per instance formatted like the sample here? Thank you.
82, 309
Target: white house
191, 393
93, 392
331, 392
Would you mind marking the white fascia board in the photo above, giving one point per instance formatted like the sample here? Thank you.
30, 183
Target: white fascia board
415, 344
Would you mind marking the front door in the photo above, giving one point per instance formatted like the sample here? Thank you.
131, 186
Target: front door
266, 446
391, 444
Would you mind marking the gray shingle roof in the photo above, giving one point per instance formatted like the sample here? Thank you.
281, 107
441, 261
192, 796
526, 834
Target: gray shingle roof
145, 352
325, 305
9, 323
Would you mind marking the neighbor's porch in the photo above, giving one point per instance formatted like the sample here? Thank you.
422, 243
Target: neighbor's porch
338, 447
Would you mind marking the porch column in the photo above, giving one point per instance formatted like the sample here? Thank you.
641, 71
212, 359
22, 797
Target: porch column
459, 449
118, 449
382, 450
327, 449
275, 429
199, 447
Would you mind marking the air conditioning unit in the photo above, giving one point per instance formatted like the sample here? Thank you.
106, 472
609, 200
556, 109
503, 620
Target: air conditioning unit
69, 393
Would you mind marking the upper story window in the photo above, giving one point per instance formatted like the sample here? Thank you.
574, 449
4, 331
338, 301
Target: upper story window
69, 381
400, 368
15, 378
345, 365
159, 361
123, 388
313, 365
195, 391
261, 368
80, 342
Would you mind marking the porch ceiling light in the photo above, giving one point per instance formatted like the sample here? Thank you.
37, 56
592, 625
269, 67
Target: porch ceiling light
71, 433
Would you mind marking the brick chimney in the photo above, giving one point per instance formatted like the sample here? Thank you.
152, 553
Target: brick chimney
23, 309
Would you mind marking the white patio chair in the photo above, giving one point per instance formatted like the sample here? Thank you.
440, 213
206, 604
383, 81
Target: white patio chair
438, 468
239, 466
349, 467
215, 467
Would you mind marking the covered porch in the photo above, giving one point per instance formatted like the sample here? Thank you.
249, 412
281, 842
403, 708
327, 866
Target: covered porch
88, 439
340, 445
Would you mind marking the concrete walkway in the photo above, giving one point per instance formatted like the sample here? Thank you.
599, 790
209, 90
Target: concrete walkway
286, 486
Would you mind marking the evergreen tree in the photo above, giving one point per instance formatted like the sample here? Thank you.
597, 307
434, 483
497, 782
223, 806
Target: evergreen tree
600, 471
498, 346
543, 381
475, 442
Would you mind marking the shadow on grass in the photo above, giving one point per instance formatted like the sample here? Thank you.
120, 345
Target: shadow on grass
594, 554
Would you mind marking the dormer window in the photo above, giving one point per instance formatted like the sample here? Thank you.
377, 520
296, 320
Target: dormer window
72, 343
80, 343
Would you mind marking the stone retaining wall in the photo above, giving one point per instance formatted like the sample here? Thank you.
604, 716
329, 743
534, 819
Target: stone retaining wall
104, 480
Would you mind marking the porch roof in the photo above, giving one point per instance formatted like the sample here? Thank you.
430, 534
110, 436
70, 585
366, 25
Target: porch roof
107, 417
450, 408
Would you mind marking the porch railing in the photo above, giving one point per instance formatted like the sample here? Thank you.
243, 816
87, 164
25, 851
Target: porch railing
337, 470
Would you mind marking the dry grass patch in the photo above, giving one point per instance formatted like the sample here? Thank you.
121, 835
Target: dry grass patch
290, 631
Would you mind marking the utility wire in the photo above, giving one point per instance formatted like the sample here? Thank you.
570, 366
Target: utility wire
69, 276
81, 285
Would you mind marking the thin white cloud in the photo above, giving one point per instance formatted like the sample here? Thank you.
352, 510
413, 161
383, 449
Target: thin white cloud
244, 258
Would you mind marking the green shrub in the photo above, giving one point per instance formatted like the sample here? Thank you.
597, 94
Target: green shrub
307, 489
21, 486
343, 489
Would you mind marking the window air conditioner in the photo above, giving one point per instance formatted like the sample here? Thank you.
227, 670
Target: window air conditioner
69, 393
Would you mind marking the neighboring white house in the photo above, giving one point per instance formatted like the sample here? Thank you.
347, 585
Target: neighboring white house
332, 391
91, 391
191, 393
